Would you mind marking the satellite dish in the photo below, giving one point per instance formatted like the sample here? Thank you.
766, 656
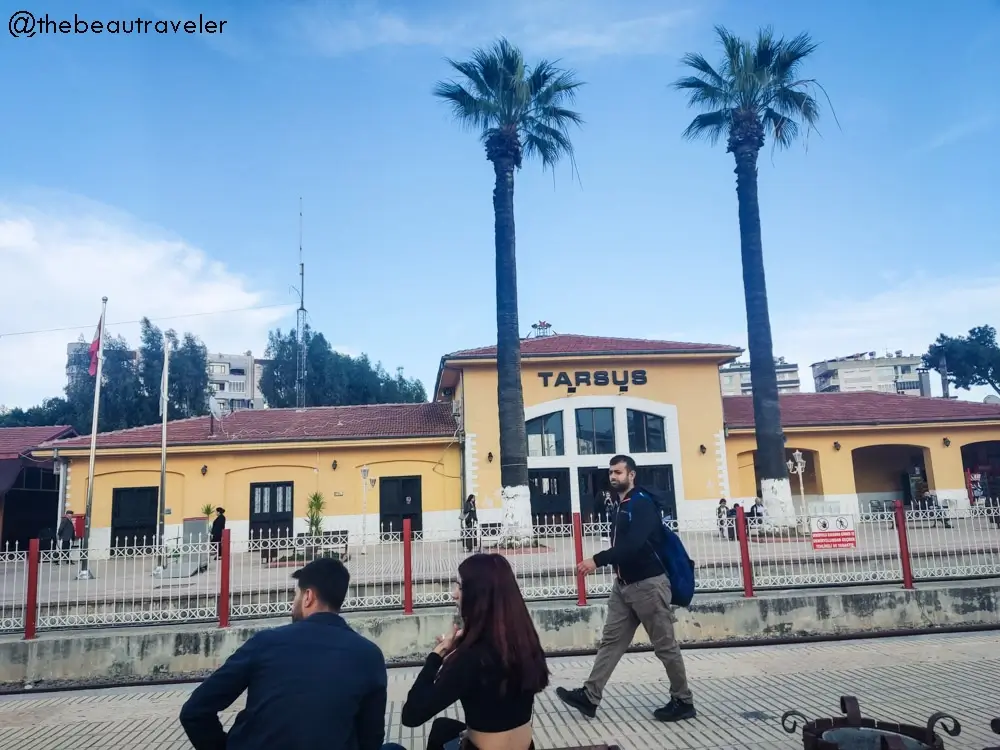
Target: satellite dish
991, 399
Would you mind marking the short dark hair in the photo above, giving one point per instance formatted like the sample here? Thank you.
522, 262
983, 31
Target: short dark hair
328, 578
623, 459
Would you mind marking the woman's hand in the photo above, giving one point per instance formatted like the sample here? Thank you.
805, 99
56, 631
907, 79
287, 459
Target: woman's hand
446, 642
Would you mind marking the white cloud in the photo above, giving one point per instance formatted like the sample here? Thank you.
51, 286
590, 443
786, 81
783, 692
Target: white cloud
907, 315
958, 131
58, 259
544, 27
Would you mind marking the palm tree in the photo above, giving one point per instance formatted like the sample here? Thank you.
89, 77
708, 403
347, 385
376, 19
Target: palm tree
518, 112
756, 91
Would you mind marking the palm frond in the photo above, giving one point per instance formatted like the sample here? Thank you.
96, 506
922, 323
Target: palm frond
758, 79
699, 63
783, 130
501, 96
702, 92
471, 111
710, 126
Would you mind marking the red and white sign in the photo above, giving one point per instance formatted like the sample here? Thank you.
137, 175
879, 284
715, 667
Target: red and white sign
833, 532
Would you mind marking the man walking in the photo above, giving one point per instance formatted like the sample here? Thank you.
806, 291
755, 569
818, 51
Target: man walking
66, 533
312, 684
641, 595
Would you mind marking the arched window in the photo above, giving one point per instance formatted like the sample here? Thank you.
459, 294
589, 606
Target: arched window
595, 431
646, 433
545, 435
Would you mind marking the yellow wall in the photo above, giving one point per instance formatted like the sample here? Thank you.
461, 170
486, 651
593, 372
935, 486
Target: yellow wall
231, 471
850, 470
690, 385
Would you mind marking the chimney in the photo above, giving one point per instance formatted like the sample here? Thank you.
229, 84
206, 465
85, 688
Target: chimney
925, 383
211, 424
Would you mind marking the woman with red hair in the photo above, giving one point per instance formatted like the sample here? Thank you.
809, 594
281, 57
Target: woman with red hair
493, 665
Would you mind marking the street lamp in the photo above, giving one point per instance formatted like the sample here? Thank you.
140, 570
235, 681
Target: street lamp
364, 510
797, 465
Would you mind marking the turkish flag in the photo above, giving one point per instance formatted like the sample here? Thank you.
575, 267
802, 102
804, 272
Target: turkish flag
95, 347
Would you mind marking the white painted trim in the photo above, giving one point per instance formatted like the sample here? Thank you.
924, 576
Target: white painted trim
722, 463
471, 466
574, 461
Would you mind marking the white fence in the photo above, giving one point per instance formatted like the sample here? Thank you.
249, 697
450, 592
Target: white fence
137, 583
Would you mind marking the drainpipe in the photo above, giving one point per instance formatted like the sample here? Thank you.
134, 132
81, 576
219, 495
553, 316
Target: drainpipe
61, 464
461, 464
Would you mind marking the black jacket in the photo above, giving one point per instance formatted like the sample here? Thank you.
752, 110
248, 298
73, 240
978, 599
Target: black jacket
66, 531
218, 526
312, 684
637, 528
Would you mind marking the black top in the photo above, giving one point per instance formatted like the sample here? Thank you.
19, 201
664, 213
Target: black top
312, 684
66, 531
637, 528
474, 679
218, 526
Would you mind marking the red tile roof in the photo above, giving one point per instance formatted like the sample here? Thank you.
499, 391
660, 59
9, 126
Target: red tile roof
569, 344
286, 425
864, 408
15, 441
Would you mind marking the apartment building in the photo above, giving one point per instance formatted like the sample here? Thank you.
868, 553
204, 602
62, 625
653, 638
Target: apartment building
869, 371
234, 382
233, 379
735, 378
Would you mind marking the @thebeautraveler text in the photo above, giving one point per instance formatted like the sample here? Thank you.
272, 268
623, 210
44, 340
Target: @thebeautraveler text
24, 23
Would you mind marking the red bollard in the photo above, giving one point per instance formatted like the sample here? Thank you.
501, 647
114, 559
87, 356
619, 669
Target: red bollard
225, 601
407, 566
581, 580
904, 546
31, 594
746, 565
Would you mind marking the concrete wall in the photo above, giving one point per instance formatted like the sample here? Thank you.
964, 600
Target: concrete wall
182, 651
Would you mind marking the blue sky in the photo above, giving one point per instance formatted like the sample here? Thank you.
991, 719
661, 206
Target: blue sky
165, 172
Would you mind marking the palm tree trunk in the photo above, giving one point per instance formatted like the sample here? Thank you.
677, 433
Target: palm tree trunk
510, 398
770, 459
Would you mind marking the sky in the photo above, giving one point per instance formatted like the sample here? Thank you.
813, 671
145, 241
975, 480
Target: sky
165, 172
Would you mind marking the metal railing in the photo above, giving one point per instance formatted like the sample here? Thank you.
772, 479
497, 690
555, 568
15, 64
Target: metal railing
137, 583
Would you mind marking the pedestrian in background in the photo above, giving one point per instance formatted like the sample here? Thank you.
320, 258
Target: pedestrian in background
66, 535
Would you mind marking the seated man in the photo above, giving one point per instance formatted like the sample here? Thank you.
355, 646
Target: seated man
312, 684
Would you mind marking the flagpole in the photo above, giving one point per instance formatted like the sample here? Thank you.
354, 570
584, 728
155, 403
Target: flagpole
85, 571
164, 403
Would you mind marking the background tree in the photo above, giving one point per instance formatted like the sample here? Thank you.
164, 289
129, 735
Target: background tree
755, 90
332, 378
968, 360
130, 385
518, 112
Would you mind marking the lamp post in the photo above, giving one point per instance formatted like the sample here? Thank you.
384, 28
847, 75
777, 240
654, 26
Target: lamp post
797, 465
364, 510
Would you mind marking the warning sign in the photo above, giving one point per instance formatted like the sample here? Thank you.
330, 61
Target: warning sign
833, 532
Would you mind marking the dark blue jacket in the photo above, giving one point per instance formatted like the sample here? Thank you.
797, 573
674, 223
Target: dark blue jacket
310, 685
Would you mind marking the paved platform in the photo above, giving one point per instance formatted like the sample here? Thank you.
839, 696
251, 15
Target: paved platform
741, 693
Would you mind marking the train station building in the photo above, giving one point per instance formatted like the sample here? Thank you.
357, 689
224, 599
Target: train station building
586, 398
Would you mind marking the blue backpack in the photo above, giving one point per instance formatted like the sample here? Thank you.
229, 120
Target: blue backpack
670, 551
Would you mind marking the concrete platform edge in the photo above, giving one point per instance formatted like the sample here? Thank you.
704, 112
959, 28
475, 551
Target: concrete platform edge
172, 652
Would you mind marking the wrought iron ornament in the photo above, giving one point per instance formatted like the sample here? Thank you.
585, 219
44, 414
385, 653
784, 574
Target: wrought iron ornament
854, 732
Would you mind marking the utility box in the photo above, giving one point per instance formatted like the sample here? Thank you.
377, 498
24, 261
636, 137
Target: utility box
195, 530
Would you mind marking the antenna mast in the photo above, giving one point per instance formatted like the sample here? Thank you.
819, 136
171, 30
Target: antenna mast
300, 328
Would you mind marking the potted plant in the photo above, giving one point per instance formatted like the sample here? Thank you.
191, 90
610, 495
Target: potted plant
314, 514
207, 510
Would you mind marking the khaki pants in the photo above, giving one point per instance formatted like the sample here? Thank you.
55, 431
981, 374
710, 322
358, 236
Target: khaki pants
646, 603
